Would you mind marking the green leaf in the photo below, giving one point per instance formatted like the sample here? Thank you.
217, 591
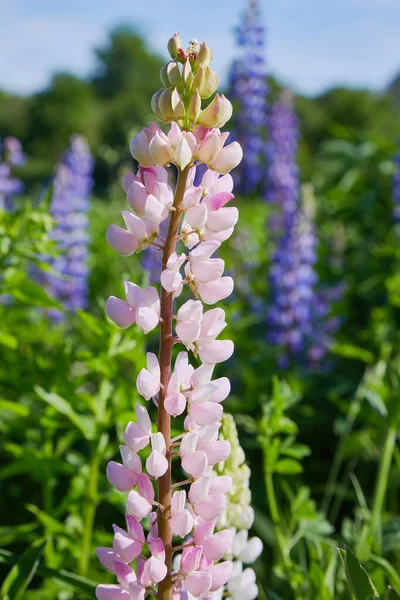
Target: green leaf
84, 424
9, 534
358, 579
21, 574
288, 466
81, 583
298, 451
33, 294
376, 402
8, 340
351, 351
391, 594
13, 407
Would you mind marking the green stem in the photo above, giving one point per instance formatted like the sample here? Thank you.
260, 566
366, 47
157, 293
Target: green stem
89, 514
330, 488
371, 534
382, 481
276, 518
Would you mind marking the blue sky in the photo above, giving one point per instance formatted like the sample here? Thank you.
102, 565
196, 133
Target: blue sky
312, 44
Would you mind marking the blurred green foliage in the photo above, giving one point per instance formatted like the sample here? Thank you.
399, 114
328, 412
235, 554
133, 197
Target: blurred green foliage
321, 444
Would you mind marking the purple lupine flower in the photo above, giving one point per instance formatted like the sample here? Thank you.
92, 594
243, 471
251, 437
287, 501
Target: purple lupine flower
396, 189
298, 318
249, 88
69, 206
11, 155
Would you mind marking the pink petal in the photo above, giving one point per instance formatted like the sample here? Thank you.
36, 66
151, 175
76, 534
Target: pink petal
181, 524
198, 583
136, 592
127, 548
135, 438
216, 352
190, 559
222, 219
222, 184
120, 312
175, 404
215, 291
220, 485
107, 556
134, 225
111, 592
135, 529
147, 385
228, 158
222, 391
146, 319
195, 463
137, 196
220, 574
156, 464
218, 451
130, 459
133, 294
218, 545
204, 531
208, 270
121, 240
125, 574
145, 487
188, 331
128, 180
120, 477
197, 216
138, 506
199, 489
211, 507
217, 200
154, 571
171, 280
206, 413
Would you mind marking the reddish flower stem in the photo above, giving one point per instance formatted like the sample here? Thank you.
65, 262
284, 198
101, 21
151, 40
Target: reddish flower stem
165, 356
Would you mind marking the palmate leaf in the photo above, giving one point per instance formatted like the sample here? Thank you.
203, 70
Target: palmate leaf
357, 577
22, 572
86, 586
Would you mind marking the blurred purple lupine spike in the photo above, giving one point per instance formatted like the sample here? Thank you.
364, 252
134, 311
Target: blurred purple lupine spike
298, 316
11, 155
249, 88
396, 188
69, 206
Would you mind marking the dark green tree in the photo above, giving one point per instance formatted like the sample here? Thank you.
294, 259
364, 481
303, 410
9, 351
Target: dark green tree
67, 106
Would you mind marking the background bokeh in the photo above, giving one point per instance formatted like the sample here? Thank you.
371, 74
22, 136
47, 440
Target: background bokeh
319, 418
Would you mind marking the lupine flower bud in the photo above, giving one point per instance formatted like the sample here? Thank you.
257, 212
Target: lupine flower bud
160, 151
139, 145
164, 76
155, 106
174, 45
210, 84
165, 105
187, 74
174, 74
194, 107
227, 159
217, 113
178, 107
204, 57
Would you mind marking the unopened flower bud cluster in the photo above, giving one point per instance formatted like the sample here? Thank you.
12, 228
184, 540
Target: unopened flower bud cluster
239, 517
